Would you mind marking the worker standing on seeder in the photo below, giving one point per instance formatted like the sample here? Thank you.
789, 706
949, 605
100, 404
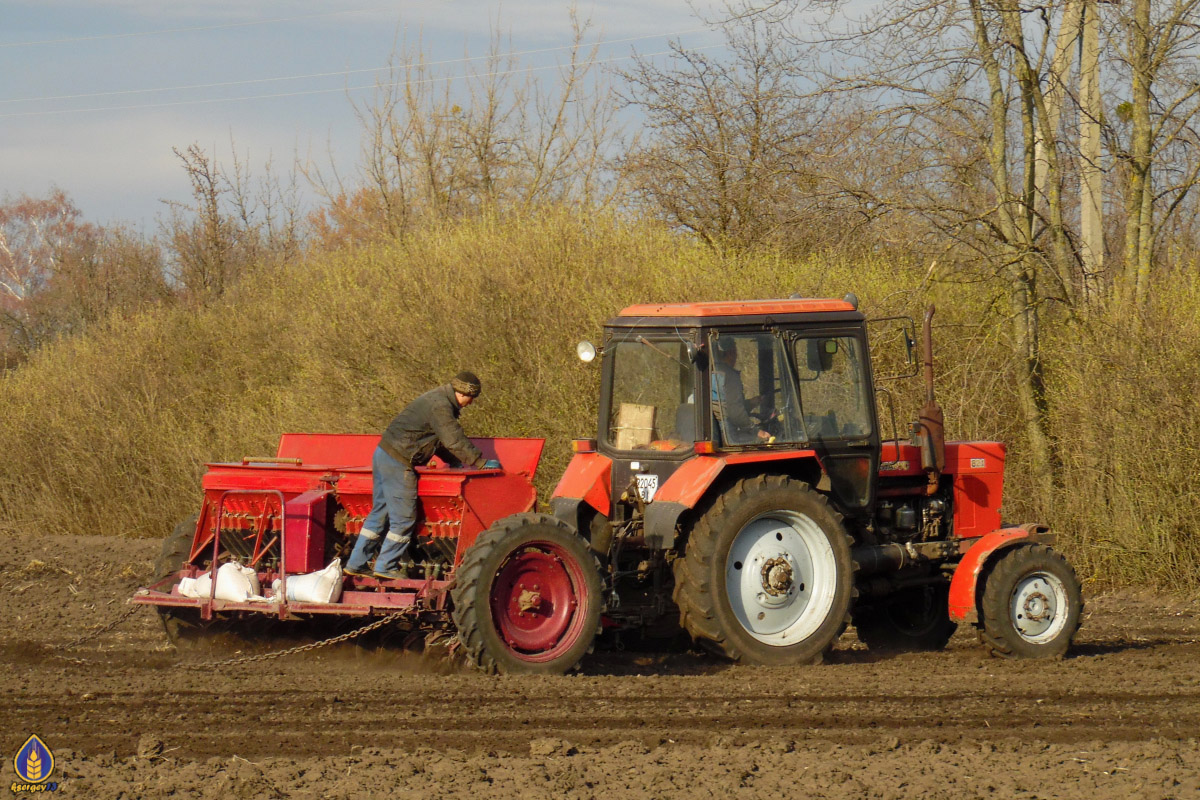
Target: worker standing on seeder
428, 426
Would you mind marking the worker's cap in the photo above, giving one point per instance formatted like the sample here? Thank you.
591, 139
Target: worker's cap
466, 383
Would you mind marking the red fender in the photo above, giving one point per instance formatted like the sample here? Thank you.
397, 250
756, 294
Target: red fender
966, 575
689, 483
589, 478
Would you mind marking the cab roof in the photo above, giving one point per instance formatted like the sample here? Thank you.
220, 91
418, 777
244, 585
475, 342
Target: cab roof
738, 308
736, 313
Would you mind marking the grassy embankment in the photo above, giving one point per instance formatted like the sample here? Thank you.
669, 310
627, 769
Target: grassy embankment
108, 433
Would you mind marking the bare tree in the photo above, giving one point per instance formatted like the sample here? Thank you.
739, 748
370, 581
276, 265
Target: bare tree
60, 274
232, 225
34, 235
730, 146
202, 236
113, 273
1152, 127
436, 147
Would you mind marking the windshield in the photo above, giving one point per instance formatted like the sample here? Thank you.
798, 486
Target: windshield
653, 396
832, 376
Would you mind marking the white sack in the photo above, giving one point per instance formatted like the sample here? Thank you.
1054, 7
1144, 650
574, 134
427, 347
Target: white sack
323, 586
234, 582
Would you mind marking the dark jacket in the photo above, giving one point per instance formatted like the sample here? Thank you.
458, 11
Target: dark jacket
729, 399
429, 424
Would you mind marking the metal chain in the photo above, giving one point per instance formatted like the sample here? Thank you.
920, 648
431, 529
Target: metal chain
345, 637
229, 662
97, 633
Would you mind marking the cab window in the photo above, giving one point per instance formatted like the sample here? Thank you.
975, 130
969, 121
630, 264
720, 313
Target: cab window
653, 403
751, 393
832, 377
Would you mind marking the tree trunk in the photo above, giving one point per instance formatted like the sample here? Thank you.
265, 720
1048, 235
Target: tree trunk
1090, 177
1031, 385
1056, 86
1138, 205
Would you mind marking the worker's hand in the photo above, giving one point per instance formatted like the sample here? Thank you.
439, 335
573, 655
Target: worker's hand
763, 435
491, 463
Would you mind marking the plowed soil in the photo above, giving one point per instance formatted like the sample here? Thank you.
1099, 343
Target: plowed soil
132, 717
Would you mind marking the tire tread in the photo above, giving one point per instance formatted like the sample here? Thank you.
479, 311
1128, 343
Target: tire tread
994, 601
694, 594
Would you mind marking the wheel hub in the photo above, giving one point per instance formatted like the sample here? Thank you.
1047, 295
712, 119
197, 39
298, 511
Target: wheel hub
1038, 607
529, 601
777, 575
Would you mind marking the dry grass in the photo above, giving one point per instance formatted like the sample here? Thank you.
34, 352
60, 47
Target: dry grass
1125, 419
108, 433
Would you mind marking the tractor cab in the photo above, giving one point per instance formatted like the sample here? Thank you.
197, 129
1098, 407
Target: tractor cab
739, 382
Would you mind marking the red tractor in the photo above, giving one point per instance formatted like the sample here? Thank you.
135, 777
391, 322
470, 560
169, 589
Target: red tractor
739, 486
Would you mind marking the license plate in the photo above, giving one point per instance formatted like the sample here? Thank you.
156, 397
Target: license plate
647, 485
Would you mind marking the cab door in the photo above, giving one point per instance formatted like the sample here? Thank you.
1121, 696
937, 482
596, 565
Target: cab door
837, 409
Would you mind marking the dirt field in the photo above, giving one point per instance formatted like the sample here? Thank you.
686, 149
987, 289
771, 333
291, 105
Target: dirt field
1120, 718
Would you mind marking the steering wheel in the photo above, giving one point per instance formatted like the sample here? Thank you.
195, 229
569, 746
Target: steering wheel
822, 424
770, 421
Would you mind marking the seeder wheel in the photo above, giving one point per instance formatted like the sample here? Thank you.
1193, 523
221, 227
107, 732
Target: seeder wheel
527, 597
182, 625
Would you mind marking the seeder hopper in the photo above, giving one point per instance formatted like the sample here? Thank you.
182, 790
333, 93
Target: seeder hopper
292, 514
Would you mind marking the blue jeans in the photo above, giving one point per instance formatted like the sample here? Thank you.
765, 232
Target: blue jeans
395, 502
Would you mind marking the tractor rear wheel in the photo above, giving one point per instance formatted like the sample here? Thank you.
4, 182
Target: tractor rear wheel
909, 620
180, 624
527, 597
1031, 604
766, 577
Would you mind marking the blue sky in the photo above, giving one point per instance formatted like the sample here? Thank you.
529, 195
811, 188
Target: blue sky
75, 113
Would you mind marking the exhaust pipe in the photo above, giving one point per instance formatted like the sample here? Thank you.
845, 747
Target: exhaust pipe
929, 432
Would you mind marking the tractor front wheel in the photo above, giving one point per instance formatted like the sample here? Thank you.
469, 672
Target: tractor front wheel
766, 577
1031, 604
527, 597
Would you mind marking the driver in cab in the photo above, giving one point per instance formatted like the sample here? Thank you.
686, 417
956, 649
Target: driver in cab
730, 407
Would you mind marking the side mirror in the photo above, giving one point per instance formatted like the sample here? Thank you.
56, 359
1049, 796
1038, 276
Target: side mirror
820, 354
586, 351
905, 329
